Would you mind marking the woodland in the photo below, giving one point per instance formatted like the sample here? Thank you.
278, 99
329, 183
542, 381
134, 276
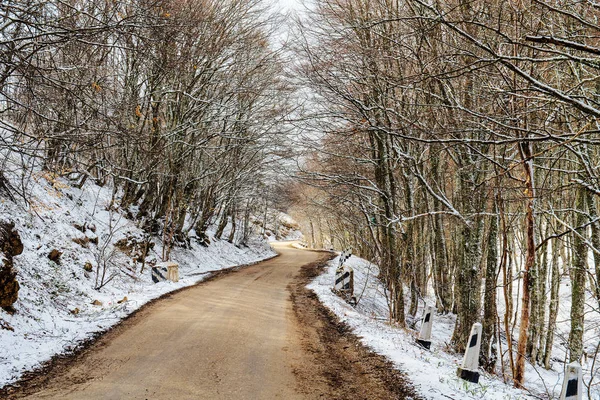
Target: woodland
454, 143
459, 151
178, 104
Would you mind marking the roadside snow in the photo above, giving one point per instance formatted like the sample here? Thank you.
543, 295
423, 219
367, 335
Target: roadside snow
433, 372
55, 311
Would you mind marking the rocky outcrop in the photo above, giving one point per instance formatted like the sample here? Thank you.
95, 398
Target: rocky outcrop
54, 255
10, 246
136, 246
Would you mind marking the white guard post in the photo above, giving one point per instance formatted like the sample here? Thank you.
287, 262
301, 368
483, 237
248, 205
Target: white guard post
573, 384
172, 271
344, 257
344, 280
470, 365
425, 333
165, 271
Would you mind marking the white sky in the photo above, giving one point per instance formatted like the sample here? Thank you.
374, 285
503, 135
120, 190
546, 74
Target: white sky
289, 4
285, 6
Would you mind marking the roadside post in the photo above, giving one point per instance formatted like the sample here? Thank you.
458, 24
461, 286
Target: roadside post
572, 388
344, 278
346, 254
426, 325
469, 371
165, 271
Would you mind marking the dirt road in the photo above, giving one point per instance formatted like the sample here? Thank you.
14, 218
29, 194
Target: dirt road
252, 334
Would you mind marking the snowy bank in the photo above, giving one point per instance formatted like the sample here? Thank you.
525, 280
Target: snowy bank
58, 307
433, 372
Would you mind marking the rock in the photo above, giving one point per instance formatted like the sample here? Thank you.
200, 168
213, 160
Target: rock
55, 256
10, 309
83, 242
79, 227
9, 287
10, 246
75, 311
123, 300
10, 241
88, 267
97, 303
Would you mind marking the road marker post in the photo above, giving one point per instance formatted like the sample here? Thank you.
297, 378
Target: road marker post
572, 388
159, 274
426, 325
344, 280
172, 271
165, 271
346, 254
469, 371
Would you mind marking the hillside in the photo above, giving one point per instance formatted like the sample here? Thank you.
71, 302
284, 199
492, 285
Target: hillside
82, 269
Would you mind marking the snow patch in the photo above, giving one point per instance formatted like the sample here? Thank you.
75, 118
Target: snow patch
58, 307
432, 372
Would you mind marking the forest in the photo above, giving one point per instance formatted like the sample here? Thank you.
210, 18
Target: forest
178, 104
460, 153
454, 143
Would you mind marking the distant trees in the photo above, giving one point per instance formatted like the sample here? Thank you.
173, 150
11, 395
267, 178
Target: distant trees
180, 104
460, 147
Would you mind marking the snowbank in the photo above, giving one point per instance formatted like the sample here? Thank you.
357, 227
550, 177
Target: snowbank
55, 311
433, 372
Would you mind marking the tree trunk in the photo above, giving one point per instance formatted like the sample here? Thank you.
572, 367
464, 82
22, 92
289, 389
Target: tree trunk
539, 342
223, 222
468, 271
593, 211
231, 237
526, 153
488, 343
578, 272
553, 305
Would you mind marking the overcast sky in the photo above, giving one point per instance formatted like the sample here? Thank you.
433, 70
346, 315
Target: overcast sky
289, 4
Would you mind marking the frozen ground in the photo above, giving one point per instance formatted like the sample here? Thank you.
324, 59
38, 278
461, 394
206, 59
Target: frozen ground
434, 372
55, 311
280, 227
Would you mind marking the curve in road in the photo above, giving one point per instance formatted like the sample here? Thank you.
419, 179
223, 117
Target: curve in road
256, 333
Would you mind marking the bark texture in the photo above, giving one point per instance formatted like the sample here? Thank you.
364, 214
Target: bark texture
10, 246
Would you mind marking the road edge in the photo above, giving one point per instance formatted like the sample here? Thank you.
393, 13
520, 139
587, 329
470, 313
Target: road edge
343, 347
38, 377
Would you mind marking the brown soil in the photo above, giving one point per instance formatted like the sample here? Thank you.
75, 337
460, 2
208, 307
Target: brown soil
350, 369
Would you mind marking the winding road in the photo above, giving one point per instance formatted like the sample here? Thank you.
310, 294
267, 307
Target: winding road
239, 336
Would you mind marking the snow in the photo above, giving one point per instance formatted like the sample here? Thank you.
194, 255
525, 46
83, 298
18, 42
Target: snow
54, 311
280, 227
432, 372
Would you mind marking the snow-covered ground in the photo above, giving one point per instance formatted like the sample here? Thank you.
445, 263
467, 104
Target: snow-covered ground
434, 372
55, 310
280, 227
